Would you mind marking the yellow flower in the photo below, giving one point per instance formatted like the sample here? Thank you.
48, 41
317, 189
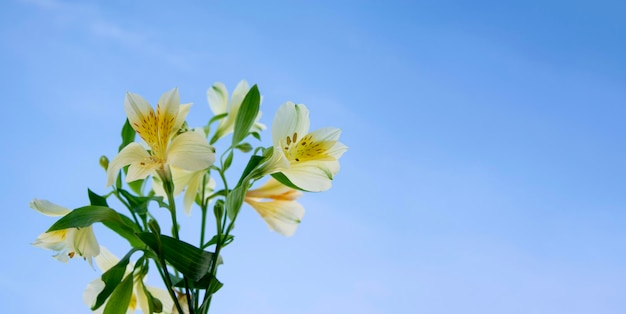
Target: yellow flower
66, 242
217, 97
189, 150
105, 260
277, 205
308, 160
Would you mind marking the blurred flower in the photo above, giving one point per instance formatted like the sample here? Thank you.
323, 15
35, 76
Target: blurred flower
105, 260
308, 160
277, 205
189, 150
66, 242
217, 97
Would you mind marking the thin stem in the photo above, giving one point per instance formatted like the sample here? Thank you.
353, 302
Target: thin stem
169, 190
117, 195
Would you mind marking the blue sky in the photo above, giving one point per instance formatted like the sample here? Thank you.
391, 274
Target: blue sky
486, 165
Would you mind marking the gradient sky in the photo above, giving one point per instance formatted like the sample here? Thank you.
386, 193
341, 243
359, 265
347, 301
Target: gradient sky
486, 166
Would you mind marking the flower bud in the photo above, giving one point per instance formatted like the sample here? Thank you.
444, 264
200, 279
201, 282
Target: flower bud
104, 162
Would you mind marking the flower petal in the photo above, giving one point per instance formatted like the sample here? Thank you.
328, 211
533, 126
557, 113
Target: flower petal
132, 153
53, 240
281, 216
167, 110
190, 151
273, 189
217, 97
312, 177
90, 295
183, 111
85, 243
140, 113
48, 208
192, 189
290, 119
106, 260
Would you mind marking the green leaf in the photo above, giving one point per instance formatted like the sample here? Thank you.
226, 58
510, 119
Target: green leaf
128, 135
228, 161
252, 164
120, 298
282, 178
214, 239
88, 215
184, 257
234, 200
247, 114
96, 199
256, 135
204, 283
244, 147
111, 279
139, 204
136, 185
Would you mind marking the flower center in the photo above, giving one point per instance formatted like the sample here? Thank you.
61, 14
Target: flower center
306, 148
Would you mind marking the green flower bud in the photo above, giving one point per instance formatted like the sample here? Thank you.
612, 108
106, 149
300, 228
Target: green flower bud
104, 162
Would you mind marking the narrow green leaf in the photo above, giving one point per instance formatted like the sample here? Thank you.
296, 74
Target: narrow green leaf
280, 177
111, 279
184, 257
96, 199
247, 114
120, 298
139, 204
128, 135
256, 135
136, 185
88, 215
214, 239
228, 161
244, 147
234, 200
252, 164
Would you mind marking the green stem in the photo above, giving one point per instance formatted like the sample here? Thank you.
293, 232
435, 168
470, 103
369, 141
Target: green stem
169, 190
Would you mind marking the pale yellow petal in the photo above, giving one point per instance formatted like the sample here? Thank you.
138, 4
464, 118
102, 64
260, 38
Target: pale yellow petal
138, 110
48, 208
105, 260
273, 189
90, 295
281, 216
180, 118
140, 170
192, 189
290, 119
238, 96
190, 151
85, 243
310, 177
53, 240
142, 299
167, 110
132, 153
217, 97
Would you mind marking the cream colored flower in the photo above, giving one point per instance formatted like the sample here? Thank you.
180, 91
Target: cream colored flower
217, 97
277, 205
189, 150
105, 260
308, 159
66, 242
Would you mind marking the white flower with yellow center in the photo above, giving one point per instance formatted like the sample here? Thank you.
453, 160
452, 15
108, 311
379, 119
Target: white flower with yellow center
188, 151
66, 242
308, 160
277, 205
106, 260
217, 97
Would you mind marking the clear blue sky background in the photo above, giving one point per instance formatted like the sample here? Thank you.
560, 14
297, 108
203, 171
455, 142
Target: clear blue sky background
486, 166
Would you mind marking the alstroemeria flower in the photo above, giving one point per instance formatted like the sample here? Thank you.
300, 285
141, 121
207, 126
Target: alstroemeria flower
277, 205
217, 96
189, 150
308, 160
66, 242
105, 260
